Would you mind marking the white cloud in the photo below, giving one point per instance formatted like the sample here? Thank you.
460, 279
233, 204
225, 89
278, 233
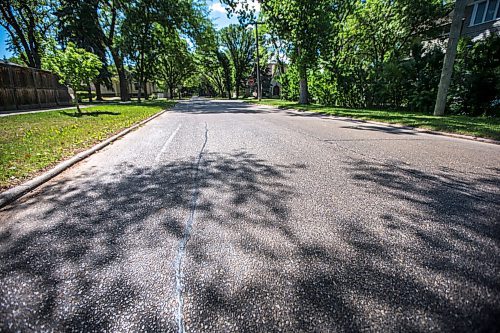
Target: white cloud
217, 7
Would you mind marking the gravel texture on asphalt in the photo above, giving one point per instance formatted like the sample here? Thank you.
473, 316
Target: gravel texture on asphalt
259, 220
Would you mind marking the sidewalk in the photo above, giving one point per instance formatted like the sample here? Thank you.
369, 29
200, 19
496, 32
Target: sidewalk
17, 112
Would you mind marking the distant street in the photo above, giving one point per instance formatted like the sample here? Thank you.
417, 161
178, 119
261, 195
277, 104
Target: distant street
220, 216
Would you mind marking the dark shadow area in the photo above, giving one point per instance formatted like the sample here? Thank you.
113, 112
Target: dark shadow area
429, 263
204, 106
98, 253
384, 129
96, 113
76, 253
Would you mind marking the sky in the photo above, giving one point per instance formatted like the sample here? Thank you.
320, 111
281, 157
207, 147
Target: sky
218, 14
3, 44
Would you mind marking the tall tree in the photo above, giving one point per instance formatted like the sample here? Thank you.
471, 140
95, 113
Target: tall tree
176, 63
213, 63
367, 42
78, 22
304, 23
97, 22
141, 51
240, 46
28, 23
110, 14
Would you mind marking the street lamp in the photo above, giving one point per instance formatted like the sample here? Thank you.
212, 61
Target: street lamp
259, 85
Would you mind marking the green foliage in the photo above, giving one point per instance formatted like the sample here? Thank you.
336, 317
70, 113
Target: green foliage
373, 55
214, 69
419, 82
290, 84
78, 22
475, 88
28, 24
75, 67
175, 63
239, 43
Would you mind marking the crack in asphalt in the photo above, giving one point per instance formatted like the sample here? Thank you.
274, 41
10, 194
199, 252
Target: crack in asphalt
181, 251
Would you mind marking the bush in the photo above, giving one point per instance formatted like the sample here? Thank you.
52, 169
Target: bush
421, 78
290, 84
409, 82
475, 90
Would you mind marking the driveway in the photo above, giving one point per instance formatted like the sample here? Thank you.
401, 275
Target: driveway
220, 216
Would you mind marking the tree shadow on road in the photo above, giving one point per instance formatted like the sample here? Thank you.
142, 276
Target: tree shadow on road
428, 262
221, 107
105, 261
100, 246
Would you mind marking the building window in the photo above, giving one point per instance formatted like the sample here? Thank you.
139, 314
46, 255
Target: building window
485, 11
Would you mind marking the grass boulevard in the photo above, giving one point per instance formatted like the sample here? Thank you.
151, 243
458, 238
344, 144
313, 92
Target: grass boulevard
30, 143
483, 127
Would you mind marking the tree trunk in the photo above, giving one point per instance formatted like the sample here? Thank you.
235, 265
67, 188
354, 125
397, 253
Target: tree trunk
122, 76
76, 102
89, 89
98, 93
228, 86
139, 91
171, 90
449, 58
237, 88
304, 93
124, 93
145, 89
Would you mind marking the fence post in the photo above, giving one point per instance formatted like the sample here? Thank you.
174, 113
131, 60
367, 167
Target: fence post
13, 85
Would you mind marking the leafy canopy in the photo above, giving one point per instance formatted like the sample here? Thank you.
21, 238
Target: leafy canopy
75, 66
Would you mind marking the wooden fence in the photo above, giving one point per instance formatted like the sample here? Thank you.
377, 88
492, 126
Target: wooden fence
24, 88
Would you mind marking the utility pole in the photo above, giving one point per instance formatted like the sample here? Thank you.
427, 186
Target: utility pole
259, 88
449, 58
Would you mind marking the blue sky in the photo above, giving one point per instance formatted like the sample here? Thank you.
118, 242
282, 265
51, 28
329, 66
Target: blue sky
218, 14
3, 43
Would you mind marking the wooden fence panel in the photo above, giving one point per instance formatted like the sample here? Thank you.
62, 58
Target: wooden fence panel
28, 88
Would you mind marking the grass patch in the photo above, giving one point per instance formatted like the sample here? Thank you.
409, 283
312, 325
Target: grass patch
483, 127
33, 142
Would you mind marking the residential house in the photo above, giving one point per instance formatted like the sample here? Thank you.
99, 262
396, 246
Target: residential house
133, 88
482, 18
269, 80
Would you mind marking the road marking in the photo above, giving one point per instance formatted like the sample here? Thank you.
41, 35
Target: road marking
165, 145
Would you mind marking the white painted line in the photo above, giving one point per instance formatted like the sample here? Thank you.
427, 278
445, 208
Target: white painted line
167, 143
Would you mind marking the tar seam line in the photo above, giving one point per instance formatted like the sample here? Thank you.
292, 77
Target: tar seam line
181, 251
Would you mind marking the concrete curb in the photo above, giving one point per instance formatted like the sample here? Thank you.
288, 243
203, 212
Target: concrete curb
14, 193
416, 129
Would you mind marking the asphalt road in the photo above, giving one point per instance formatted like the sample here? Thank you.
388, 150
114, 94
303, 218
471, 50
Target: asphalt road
220, 216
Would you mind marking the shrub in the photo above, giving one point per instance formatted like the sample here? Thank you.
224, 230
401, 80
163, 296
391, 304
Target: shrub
475, 90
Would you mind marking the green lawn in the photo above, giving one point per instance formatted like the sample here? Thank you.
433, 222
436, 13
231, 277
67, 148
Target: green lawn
476, 126
33, 142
